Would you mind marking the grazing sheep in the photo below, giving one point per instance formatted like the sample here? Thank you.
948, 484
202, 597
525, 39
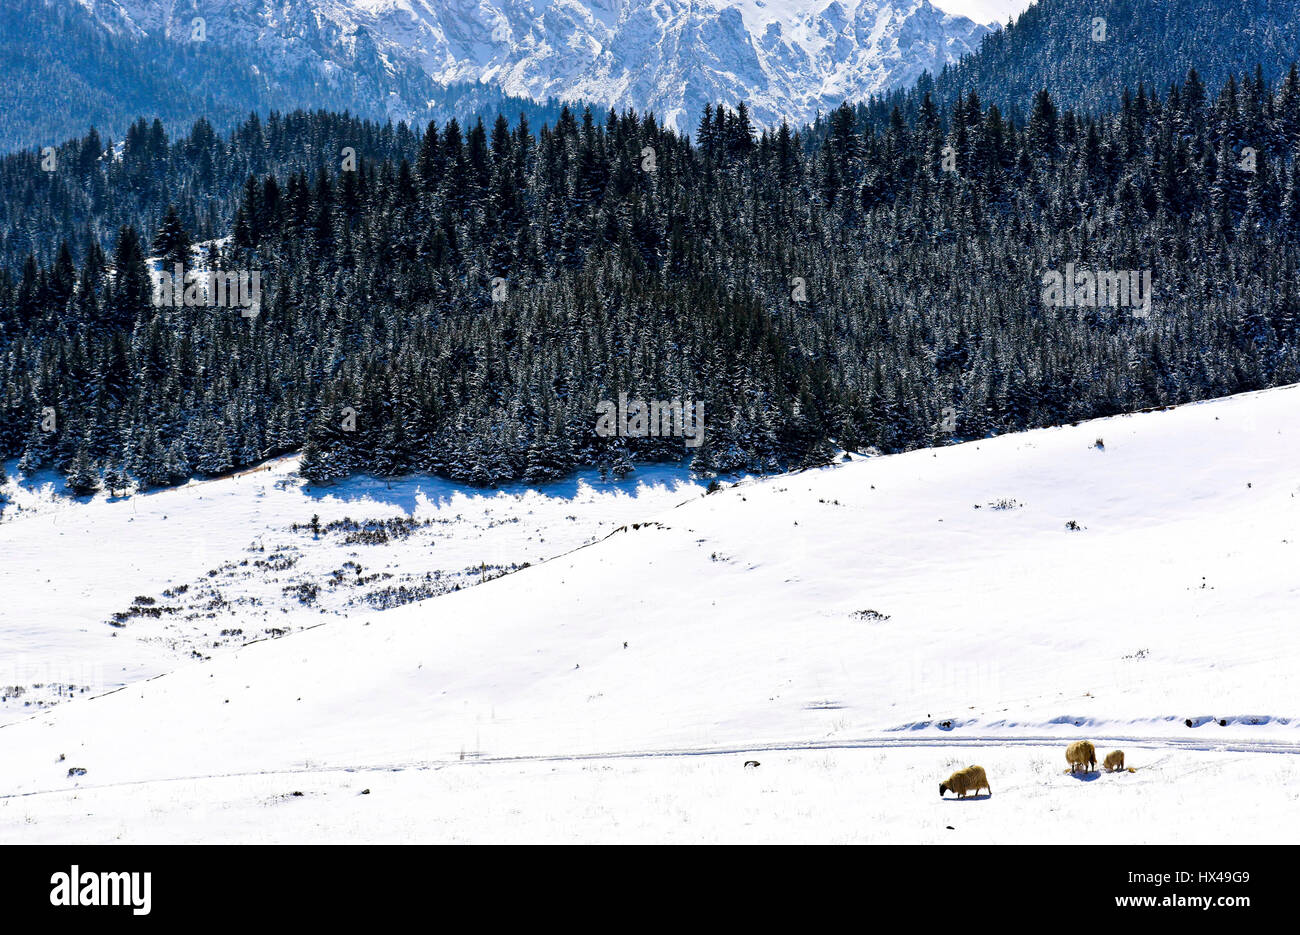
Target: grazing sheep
1114, 761
1081, 753
970, 779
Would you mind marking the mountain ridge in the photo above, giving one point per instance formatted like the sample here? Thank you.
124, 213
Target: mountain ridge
391, 58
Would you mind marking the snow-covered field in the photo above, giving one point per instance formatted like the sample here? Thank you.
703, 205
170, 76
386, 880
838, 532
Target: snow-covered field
102, 593
836, 796
860, 631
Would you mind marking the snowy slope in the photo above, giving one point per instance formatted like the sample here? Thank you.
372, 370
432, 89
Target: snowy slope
566, 694
103, 593
785, 58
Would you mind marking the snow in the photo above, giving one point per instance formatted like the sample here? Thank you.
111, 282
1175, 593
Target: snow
787, 59
62, 586
871, 795
985, 11
615, 691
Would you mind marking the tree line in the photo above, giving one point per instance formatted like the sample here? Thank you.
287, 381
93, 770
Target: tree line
459, 299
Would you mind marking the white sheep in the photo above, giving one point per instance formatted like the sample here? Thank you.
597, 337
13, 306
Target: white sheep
1081, 753
970, 779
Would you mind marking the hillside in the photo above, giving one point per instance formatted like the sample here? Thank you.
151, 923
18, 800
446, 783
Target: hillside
69, 64
473, 294
1088, 53
201, 570
858, 629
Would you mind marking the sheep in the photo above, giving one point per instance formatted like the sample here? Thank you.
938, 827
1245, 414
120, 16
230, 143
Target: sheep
1081, 753
970, 779
1114, 761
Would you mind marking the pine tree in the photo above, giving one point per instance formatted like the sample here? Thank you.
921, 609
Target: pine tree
130, 290
172, 242
82, 480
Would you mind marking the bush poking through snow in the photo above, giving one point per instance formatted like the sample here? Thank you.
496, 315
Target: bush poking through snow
305, 591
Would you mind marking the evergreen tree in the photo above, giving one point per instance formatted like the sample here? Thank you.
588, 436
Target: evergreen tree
172, 243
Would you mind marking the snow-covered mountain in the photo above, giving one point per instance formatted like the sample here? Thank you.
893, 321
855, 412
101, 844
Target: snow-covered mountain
784, 58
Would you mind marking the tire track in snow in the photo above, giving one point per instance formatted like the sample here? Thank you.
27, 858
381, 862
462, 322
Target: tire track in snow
875, 743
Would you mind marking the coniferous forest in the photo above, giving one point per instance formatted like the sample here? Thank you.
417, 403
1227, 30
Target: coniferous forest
470, 293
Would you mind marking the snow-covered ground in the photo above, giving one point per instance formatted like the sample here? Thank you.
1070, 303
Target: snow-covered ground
106, 592
860, 631
838, 796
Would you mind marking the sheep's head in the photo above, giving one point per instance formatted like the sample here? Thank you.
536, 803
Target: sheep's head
943, 787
